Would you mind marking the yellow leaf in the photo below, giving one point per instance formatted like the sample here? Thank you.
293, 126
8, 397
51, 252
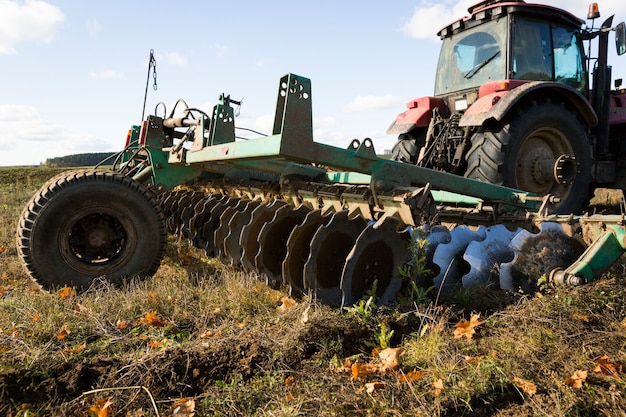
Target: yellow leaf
472, 359
411, 376
152, 319
305, 315
77, 349
210, 333
156, 343
66, 292
373, 386
101, 409
577, 379
390, 359
287, 303
437, 388
581, 317
183, 407
605, 367
63, 333
465, 328
80, 309
527, 387
360, 371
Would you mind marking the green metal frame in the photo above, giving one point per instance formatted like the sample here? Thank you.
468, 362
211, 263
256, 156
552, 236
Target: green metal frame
291, 149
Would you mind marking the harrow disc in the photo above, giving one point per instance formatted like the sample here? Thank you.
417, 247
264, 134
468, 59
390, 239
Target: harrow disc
273, 241
223, 230
330, 247
200, 222
250, 233
374, 261
485, 256
298, 250
448, 256
536, 254
232, 249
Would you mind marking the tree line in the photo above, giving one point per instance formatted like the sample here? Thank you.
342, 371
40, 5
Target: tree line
78, 160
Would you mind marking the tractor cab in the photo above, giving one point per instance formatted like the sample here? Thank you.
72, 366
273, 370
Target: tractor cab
509, 41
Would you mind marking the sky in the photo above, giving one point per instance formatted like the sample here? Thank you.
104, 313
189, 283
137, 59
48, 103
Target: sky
73, 72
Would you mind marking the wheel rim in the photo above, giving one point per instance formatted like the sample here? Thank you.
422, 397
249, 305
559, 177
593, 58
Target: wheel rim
536, 166
97, 240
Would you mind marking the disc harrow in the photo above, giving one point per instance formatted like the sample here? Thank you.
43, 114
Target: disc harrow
340, 256
336, 224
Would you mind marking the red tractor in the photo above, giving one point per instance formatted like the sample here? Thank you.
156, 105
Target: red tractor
519, 101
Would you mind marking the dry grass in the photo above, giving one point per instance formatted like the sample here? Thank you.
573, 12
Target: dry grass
224, 340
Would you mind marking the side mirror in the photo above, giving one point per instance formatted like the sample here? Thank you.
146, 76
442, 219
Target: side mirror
620, 38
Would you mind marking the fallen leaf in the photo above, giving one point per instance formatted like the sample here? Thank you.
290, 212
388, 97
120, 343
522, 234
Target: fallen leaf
36, 318
152, 319
156, 343
474, 359
210, 333
527, 387
2, 248
362, 370
577, 379
373, 386
605, 367
183, 407
465, 328
411, 376
121, 324
101, 409
66, 292
390, 359
438, 388
287, 303
581, 317
77, 349
290, 381
63, 333
305, 315
80, 309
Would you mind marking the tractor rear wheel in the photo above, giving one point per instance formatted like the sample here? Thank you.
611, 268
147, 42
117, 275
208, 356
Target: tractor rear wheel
408, 146
542, 149
82, 225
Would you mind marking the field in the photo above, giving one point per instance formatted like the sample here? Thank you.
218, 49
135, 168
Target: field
203, 339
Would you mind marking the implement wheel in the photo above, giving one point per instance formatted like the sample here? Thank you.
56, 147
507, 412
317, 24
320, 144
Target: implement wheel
87, 224
543, 150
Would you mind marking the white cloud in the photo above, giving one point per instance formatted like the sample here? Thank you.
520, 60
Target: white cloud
176, 59
430, 16
93, 28
371, 103
106, 74
28, 138
219, 49
32, 20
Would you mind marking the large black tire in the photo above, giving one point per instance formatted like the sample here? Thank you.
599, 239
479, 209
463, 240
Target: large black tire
407, 148
522, 152
82, 225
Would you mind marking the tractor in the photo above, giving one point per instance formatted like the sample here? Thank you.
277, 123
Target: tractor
520, 101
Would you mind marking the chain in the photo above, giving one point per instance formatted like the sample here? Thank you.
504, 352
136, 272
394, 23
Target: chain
154, 73
151, 64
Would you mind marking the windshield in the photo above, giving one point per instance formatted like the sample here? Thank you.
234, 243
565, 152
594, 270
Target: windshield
472, 58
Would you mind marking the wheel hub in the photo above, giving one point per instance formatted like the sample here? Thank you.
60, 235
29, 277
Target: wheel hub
96, 238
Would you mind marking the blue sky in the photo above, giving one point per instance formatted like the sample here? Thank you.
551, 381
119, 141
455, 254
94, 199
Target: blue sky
73, 72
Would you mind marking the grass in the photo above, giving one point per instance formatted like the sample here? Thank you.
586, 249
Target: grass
230, 345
